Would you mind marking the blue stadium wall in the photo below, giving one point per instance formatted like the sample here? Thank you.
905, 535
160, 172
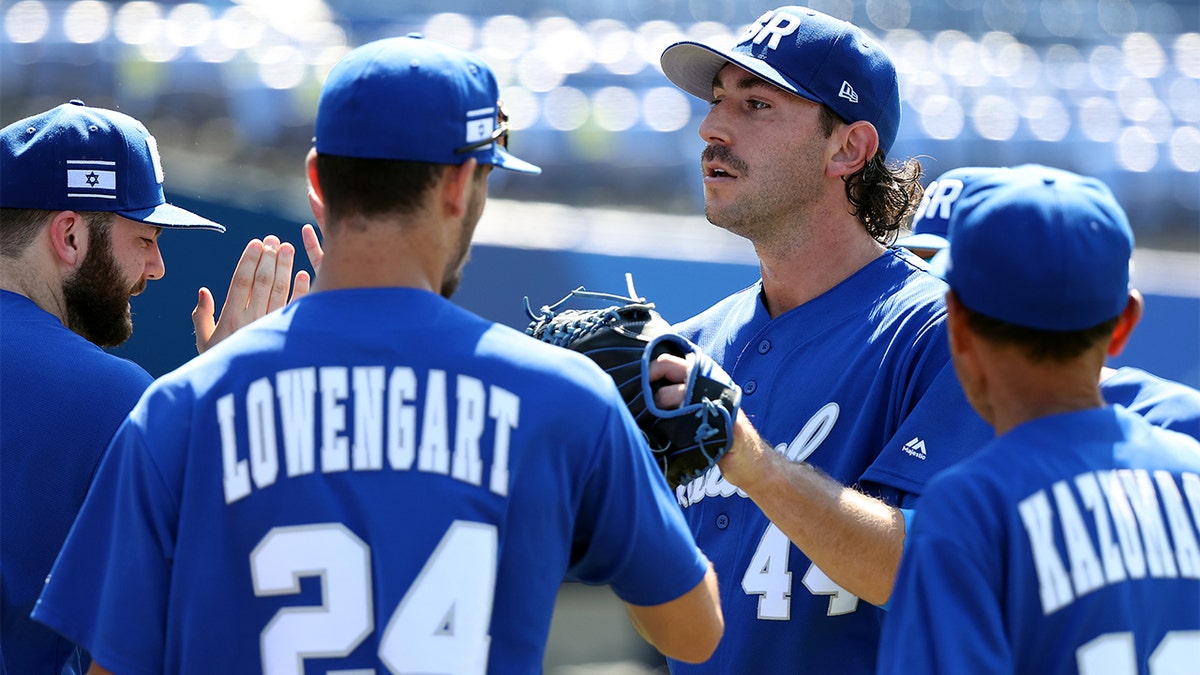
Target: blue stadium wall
497, 278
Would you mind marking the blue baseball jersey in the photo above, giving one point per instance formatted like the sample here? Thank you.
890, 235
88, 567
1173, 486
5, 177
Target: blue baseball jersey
1163, 403
366, 477
858, 383
61, 400
1070, 544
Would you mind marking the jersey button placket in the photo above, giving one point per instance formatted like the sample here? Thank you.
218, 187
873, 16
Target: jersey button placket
722, 521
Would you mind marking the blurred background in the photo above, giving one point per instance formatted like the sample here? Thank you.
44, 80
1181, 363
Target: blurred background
1109, 88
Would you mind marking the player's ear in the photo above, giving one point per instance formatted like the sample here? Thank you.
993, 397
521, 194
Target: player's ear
857, 144
316, 200
68, 233
1126, 322
956, 324
456, 187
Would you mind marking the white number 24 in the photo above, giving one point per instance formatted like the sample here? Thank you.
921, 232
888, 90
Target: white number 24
440, 626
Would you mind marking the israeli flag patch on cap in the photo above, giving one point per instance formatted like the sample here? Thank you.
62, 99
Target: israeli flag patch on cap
91, 178
480, 124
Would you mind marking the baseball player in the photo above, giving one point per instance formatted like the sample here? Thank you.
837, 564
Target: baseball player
373, 479
929, 223
1070, 542
81, 210
849, 399
1165, 403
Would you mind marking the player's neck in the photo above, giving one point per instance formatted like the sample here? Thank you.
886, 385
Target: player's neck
1022, 391
20, 277
820, 255
358, 256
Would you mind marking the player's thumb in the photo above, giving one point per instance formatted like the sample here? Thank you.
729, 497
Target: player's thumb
202, 319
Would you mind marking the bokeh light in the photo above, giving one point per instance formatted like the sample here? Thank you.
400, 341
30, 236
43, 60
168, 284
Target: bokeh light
87, 21
666, 109
995, 117
26, 21
1136, 150
566, 108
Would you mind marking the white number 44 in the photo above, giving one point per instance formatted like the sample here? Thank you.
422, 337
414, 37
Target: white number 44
768, 577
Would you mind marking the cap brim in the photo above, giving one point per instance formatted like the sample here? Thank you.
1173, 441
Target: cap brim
167, 215
939, 264
692, 66
505, 160
923, 240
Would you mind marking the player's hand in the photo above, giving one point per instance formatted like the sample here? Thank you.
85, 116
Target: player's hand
312, 246
671, 371
750, 457
741, 463
261, 283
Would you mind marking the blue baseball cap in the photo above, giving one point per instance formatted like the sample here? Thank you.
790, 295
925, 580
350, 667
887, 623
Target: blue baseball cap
809, 54
77, 158
932, 220
1040, 247
412, 99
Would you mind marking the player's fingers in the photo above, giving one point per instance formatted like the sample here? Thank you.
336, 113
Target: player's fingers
264, 280
312, 246
668, 367
202, 319
302, 285
284, 261
242, 282
669, 397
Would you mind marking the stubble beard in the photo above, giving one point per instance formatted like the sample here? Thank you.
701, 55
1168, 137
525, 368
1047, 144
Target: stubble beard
96, 297
763, 210
454, 271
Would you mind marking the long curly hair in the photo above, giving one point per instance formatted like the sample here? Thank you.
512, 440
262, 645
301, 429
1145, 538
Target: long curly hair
884, 196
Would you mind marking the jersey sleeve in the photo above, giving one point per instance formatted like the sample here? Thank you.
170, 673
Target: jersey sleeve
630, 531
940, 430
945, 612
108, 589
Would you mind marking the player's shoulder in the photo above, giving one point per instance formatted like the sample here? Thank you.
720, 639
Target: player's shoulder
1170, 444
1129, 383
1166, 403
909, 281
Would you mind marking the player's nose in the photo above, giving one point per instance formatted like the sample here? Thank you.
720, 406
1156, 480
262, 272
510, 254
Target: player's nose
156, 267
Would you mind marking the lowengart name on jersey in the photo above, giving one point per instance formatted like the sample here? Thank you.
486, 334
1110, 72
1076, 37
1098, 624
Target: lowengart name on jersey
385, 426
1130, 536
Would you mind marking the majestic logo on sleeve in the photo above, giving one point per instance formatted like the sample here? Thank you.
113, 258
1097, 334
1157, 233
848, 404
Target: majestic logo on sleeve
915, 448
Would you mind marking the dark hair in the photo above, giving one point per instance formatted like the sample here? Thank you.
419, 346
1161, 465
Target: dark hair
1037, 344
19, 227
372, 187
883, 196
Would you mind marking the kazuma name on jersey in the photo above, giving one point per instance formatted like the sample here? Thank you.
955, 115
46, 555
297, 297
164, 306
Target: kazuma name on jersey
1129, 539
384, 424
